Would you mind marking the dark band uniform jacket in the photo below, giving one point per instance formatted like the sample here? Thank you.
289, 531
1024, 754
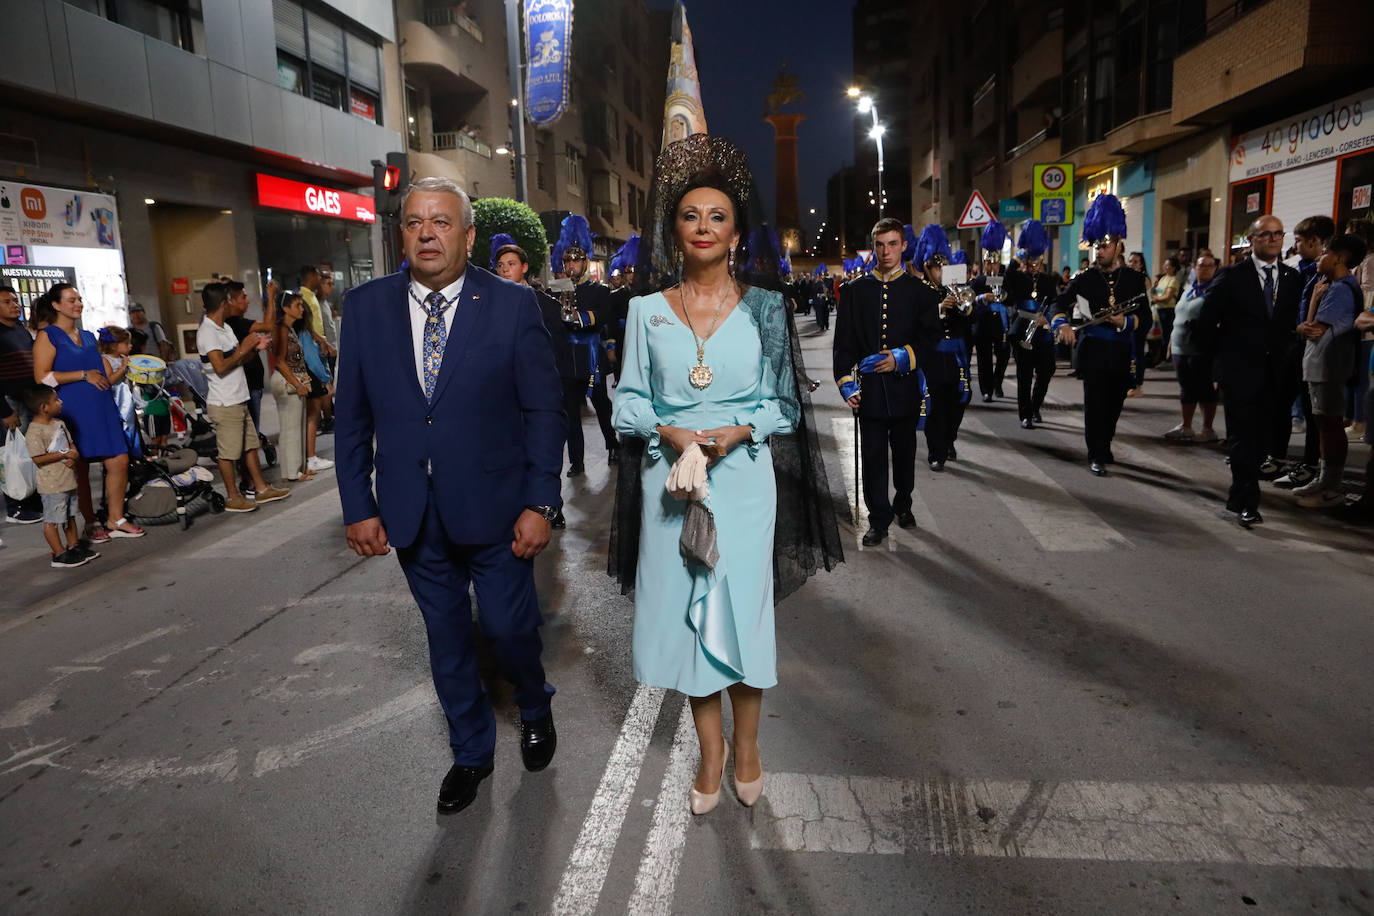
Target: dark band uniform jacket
489, 456
1020, 284
1102, 346
875, 315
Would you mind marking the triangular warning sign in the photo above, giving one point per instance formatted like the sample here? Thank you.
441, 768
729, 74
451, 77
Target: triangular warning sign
976, 212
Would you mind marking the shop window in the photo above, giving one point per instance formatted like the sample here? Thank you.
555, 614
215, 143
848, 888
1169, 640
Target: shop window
318, 58
572, 174
177, 22
1354, 181
1249, 201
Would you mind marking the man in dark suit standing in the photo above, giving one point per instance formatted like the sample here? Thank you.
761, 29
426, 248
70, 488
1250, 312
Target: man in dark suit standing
1248, 320
452, 371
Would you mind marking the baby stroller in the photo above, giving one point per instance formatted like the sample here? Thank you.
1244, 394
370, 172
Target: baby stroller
167, 488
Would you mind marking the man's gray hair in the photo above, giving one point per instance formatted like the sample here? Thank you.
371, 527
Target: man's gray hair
442, 186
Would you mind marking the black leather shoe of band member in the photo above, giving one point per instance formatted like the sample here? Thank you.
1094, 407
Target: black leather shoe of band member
906, 519
1027, 424
538, 741
1250, 517
937, 465
952, 454
998, 392
873, 537
1037, 418
987, 397
559, 521
460, 787
577, 470
1098, 468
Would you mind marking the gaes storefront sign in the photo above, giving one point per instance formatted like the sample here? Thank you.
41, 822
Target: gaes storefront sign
1342, 127
548, 40
39, 215
284, 194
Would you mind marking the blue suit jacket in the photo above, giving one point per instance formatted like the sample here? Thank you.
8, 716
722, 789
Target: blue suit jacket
493, 432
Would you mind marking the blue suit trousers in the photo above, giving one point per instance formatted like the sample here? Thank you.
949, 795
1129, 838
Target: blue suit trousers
439, 573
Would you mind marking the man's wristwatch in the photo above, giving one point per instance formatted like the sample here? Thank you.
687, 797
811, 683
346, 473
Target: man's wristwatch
549, 513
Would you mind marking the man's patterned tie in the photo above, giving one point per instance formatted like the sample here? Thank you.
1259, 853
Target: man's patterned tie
436, 336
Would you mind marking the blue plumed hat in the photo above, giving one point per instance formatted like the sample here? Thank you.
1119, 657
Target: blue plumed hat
909, 251
624, 259
1106, 219
994, 236
821, 271
933, 245
959, 257
1034, 240
575, 236
499, 241
869, 262
785, 266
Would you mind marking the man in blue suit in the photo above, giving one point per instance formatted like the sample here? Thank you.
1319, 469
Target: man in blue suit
447, 388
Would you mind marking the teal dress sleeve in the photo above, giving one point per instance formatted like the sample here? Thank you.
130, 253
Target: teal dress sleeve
633, 412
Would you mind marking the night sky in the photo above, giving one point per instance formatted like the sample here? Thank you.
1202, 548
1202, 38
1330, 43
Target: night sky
740, 44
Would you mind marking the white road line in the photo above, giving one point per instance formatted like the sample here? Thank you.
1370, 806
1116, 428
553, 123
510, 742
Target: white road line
843, 429
579, 890
1241, 824
658, 867
419, 697
96, 656
1055, 518
287, 524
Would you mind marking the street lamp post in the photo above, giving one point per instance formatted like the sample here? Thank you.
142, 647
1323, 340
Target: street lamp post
517, 110
868, 106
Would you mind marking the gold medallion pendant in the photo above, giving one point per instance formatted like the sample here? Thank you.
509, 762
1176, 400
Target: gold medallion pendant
700, 376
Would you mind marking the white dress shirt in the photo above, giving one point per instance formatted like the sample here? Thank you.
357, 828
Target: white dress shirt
418, 316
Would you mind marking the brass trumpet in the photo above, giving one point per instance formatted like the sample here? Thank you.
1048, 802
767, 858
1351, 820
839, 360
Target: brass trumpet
964, 297
1112, 311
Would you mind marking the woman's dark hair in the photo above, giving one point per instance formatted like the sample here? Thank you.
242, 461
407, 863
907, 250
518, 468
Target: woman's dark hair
287, 298
54, 293
1171, 260
716, 182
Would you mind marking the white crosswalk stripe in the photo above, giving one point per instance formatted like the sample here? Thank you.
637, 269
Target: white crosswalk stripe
289, 523
1054, 516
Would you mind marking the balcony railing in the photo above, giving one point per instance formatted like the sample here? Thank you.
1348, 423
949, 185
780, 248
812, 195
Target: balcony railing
436, 16
1033, 141
456, 139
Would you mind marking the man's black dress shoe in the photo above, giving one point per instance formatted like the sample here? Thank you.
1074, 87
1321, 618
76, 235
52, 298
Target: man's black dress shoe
987, 397
951, 455
873, 537
460, 787
577, 470
1098, 468
906, 519
998, 392
538, 741
559, 521
1250, 517
936, 465
1037, 418
1027, 424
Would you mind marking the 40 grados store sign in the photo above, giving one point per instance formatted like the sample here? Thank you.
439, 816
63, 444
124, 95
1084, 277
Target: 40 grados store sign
1326, 132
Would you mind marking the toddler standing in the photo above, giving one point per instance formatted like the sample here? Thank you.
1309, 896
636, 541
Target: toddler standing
50, 446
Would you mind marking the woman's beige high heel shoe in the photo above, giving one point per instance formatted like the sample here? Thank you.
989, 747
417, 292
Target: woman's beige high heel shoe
749, 792
705, 802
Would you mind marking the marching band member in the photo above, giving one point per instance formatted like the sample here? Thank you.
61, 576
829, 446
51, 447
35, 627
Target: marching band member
990, 326
1033, 291
885, 321
946, 368
587, 320
1106, 348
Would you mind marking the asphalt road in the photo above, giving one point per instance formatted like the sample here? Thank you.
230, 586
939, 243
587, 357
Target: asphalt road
1061, 694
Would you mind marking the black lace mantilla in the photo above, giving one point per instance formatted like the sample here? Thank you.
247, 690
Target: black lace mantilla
806, 537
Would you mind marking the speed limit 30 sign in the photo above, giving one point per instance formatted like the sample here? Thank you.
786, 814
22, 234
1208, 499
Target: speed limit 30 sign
1052, 193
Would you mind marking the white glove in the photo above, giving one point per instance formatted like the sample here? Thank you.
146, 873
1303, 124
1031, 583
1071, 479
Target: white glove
687, 479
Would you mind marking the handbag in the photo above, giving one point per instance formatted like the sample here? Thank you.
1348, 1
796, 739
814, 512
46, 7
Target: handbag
18, 473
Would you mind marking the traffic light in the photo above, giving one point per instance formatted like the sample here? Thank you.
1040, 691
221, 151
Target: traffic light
389, 180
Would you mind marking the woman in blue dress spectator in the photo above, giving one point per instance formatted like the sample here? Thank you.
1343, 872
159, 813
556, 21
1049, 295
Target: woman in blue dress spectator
70, 360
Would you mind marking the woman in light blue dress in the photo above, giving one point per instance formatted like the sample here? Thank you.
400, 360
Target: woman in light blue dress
696, 373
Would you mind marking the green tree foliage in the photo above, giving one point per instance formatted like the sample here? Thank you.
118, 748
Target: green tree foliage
492, 215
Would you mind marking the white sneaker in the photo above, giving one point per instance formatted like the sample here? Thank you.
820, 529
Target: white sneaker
1323, 499
1180, 432
319, 464
1300, 476
1311, 488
